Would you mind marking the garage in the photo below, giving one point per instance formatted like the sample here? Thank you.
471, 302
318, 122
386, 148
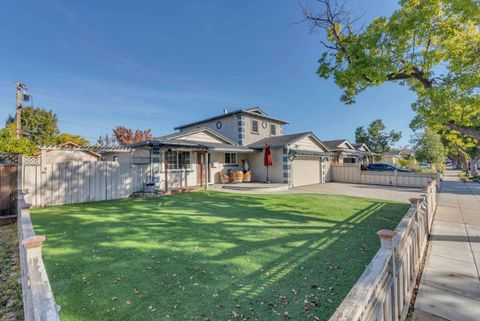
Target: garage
306, 171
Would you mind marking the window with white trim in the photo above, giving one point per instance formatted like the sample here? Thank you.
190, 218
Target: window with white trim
230, 159
179, 160
254, 126
273, 129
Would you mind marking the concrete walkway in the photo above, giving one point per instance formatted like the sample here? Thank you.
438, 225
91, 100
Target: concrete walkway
450, 284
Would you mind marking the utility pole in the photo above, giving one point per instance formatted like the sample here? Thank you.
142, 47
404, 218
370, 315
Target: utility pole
20, 88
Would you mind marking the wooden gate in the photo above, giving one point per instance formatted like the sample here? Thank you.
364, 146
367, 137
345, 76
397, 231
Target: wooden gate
8, 188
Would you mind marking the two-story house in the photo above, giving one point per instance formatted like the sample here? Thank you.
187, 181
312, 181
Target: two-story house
198, 152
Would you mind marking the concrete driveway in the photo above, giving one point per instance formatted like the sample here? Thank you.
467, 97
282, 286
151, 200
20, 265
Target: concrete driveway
391, 193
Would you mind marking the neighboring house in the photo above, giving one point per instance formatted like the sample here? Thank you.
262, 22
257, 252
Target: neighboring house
70, 151
365, 154
200, 151
392, 157
343, 152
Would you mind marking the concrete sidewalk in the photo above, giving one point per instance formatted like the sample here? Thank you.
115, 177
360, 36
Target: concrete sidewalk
450, 284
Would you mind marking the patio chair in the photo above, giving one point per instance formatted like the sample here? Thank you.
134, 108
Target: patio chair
247, 177
237, 177
224, 178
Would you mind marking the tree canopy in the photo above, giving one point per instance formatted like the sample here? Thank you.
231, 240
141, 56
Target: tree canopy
9, 143
376, 137
429, 147
126, 136
431, 46
39, 127
67, 137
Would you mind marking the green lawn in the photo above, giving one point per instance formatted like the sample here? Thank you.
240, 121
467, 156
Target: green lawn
210, 255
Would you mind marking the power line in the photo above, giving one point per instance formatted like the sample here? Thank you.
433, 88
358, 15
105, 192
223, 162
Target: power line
84, 124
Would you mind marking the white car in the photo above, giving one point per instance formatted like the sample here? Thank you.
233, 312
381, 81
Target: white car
425, 166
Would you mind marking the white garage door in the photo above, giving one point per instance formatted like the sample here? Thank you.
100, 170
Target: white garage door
306, 171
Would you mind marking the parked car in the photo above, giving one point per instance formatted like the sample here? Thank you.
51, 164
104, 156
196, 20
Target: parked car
425, 166
385, 167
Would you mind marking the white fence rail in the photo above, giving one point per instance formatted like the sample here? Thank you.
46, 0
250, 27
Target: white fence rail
79, 182
351, 173
38, 300
384, 290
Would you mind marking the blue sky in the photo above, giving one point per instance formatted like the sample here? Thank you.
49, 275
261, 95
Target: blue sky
159, 64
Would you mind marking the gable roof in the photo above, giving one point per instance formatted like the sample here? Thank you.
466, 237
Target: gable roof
357, 146
285, 140
179, 135
336, 143
255, 111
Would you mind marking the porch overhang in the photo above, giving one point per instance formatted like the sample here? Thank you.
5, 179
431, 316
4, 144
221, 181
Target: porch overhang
307, 153
232, 149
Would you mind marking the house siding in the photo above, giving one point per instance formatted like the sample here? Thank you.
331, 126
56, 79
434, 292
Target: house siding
229, 127
262, 132
217, 165
259, 171
201, 137
307, 144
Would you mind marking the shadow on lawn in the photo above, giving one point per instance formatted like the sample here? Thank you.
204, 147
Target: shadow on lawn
203, 255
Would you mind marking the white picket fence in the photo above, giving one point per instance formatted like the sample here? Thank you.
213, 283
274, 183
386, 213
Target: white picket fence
79, 182
38, 300
384, 290
351, 173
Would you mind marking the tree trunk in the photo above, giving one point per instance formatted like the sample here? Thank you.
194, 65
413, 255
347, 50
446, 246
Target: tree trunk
473, 166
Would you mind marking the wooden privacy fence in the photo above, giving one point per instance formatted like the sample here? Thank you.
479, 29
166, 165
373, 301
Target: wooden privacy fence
8, 189
38, 300
384, 290
351, 173
79, 182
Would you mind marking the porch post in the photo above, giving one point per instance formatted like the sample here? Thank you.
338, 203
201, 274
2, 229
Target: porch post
166, 170
206, 170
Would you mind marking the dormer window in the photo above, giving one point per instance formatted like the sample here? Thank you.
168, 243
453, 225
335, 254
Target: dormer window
273, 129
255, 126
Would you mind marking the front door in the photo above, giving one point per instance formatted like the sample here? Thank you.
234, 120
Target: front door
201, 174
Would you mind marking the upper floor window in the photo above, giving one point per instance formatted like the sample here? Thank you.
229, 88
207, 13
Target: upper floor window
230, 159
179, 160
254, 126
273, 129
115, 158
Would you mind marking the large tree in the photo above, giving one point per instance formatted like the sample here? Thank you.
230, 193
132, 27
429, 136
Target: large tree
9, 143
67, 137
376, 137
431, 46
429, 147
125, 136
39, 125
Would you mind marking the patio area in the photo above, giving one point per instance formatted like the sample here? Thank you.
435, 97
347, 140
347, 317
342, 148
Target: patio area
252, 187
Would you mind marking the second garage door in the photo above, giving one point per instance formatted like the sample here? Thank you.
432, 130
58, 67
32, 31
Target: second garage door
306, 171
